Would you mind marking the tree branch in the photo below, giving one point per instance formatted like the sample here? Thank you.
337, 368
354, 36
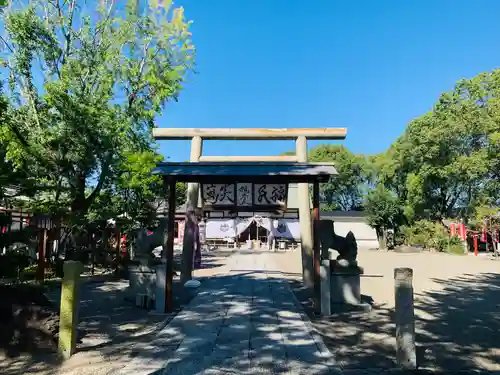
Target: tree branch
142, 64
100, 183
67, 34
7, 44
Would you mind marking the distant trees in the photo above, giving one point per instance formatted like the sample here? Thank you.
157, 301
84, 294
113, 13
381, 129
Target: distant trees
346, 190
447, 161
445, 164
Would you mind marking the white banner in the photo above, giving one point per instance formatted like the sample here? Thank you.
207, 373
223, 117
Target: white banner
220, 228
263, 222
287, 228
267, 223
242, 224
223, 228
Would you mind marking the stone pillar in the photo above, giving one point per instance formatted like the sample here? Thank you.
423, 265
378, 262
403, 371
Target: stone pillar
326, 299
405, 320
193, 190
306, 237
68, 323
161, 287
42, 253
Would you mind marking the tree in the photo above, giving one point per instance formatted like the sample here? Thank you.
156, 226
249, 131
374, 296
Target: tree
344, 191
85, 88
383, 211
135, 191
448, 158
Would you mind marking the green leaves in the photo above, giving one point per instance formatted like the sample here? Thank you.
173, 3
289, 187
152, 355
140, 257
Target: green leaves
449, 156
84, 92
344, 191
382, 208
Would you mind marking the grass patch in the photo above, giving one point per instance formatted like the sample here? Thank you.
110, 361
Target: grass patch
455, 249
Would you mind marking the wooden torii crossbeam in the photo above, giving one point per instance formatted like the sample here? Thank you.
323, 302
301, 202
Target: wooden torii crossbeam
278, 167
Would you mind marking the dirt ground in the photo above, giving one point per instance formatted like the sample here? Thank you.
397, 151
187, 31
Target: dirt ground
113, 330
457, 308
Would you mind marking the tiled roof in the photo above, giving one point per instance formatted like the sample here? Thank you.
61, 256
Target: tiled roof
271, 172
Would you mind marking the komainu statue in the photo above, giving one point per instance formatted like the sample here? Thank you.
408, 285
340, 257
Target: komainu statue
347, 246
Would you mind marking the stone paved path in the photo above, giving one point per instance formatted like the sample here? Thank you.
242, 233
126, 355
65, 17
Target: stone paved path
244, 322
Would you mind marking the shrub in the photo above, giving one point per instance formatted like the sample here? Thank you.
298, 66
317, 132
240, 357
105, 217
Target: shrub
419, 233
11, 263
431, 235
400, 237
29, 273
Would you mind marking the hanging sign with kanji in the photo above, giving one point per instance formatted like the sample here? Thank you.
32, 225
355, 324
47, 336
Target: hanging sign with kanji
218, 194
269, 194
237, 195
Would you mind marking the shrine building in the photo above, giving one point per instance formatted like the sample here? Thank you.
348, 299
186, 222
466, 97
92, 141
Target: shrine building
244, 224
256, 225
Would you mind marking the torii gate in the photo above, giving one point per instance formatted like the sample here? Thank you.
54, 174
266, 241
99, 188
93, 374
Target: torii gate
291, 168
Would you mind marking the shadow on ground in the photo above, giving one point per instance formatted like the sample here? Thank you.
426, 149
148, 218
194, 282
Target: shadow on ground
252, 323
251, 326
212, 259
110, 325
457, 327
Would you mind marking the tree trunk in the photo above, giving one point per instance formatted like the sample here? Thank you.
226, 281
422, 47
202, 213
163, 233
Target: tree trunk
381, 237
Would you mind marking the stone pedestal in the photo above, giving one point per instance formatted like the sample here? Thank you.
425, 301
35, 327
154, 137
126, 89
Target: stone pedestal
345, 285
345, 288
142, 280
325, 287
345, 281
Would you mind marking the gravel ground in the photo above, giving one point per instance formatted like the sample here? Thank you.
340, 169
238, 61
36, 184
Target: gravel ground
457, 305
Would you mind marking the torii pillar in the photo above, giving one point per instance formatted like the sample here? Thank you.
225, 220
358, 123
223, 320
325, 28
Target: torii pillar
306, 225
193, 191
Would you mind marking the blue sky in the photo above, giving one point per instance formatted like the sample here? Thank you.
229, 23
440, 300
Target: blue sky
370, 66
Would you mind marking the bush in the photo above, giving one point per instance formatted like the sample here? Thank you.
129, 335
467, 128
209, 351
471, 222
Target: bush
29, 273
399, 237
12, 263
431, 235
419, 233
